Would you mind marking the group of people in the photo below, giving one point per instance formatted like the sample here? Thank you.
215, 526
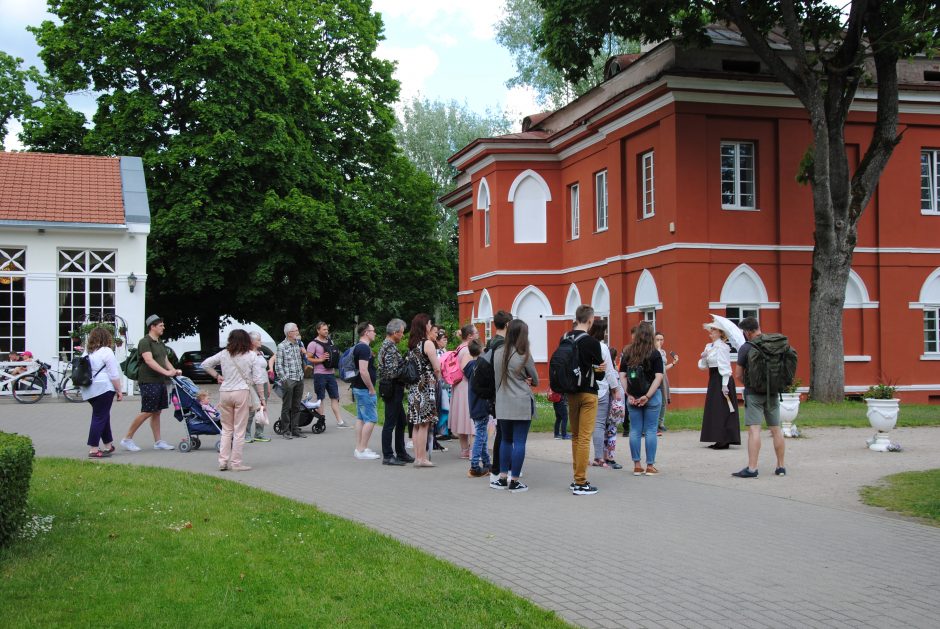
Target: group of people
604, 399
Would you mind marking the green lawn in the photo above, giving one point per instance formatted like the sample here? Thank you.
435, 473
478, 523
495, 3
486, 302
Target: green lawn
910, 493
812, 415
137, 546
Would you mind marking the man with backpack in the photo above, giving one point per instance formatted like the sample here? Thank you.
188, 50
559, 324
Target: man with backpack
766, 364
325, 360
483, 381
573, 370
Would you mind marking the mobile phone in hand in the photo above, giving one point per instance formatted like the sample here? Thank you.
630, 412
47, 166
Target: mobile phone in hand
673, 354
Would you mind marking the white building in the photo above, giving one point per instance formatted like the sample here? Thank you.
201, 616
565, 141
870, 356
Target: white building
73, 249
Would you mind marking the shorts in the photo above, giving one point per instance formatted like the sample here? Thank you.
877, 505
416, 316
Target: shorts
325, 384
758, 409
365, 405
153, 397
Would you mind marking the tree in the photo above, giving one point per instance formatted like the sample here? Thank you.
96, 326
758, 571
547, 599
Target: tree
516, 31
265, 128
829, 49
429, 132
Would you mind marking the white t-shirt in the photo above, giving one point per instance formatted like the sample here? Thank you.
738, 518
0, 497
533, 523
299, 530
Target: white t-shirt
104, 369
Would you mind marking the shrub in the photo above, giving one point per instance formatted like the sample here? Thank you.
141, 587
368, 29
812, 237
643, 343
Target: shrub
16, 468
879, 392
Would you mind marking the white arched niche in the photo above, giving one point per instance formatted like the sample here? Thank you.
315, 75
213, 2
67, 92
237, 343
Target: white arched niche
856, 294
646, 296
483, 203
485, 314
600, 299
572, 301
529, 195
744, 288
532, 306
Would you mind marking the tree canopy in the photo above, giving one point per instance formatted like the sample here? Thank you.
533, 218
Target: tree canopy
824, 64
276, 188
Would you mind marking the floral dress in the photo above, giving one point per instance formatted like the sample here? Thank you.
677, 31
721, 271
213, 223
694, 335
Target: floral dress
422, 396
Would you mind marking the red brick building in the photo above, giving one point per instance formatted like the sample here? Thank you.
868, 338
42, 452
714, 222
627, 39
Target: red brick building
669, 192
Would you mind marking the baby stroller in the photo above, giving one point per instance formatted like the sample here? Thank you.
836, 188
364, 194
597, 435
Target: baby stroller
308, 412
186, 409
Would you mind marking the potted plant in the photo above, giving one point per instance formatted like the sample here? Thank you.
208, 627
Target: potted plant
882, 414
81, 333
790, 408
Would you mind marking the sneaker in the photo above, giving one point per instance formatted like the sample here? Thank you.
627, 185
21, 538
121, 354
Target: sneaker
558, 437
162, 445
566, 437
128, 444
239, 468
637, 469
586, 489
342, 424
410, 445
614, 465
369, 451
572, 485
364, 455
651, 470
287, 435
515, 486
780, 471
248, 439
298, 435
391, 460
745, 473
262, 439
499, 483
223, 467
476, 472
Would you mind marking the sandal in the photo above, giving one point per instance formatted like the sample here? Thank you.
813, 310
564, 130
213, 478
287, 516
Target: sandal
599, 463
99, 454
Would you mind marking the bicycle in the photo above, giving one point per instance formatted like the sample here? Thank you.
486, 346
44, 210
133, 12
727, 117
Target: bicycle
31, 387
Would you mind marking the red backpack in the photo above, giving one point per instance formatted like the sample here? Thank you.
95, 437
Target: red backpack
450, 366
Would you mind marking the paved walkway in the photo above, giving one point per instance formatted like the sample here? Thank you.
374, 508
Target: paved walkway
690, 548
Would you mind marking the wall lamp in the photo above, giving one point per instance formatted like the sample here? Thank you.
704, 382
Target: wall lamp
132, 281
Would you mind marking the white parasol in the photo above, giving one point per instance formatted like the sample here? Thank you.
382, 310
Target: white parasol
733, 332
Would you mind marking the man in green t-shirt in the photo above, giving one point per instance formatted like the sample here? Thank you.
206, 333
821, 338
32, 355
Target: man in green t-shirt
155, 368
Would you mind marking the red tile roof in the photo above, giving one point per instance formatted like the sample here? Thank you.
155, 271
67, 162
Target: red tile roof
60, 188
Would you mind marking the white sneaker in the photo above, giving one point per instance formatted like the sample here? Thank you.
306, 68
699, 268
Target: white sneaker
410, 445
370, 451
128, 444
162, 445
365, 454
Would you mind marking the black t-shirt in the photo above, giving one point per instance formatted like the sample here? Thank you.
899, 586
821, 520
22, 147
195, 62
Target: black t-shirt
742, 360
652, 365
363, 352
589, 351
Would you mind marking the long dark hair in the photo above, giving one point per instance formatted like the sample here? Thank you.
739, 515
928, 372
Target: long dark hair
637, 352
238, 342
517, 339
419, 329
598, 330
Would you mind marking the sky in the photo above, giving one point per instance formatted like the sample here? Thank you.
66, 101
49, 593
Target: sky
444, 50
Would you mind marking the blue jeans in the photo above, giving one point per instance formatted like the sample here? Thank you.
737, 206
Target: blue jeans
645, 419
561, 417
512, 450
479, 457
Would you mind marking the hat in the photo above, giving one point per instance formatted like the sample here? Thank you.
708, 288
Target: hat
153, 320
26, 354
712, 326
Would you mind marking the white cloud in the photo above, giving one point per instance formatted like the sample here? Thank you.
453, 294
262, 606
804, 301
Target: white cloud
11, 142
415, 66
521, 102
23, 12
443, 39
479, 15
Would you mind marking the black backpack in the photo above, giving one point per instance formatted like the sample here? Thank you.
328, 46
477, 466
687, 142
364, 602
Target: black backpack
332, 354
81, 371
483, 381
638, 384
771, 364
564, 368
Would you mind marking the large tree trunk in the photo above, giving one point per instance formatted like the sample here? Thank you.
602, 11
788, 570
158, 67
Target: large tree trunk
208, 331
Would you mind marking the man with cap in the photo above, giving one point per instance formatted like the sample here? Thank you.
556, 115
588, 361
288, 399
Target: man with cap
155, 368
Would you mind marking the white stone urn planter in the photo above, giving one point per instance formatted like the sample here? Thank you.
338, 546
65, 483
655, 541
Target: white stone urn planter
789, 409
883, 416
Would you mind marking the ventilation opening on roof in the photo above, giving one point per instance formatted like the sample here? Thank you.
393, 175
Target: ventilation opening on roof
931, 75
737, 65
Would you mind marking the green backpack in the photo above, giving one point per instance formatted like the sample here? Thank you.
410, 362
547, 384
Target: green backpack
131, 365
771, 364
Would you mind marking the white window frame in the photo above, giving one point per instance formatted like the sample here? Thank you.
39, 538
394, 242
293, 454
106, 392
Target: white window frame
930, 181
574, 197
648, 187
744, 310
600, 201
649, 314
932, 348
486, 224
13, 283
738, 179
84, 266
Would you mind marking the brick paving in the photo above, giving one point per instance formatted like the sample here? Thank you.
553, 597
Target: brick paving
689, 548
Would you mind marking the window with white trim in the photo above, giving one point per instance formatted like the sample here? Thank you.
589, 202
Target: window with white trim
736, 314
932, 330
488, 330
600, 201
930, 181
86, 290
574, 196
12, 300
737, 176
649, 314
647, 188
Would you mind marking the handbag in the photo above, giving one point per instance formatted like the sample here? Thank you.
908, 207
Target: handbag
261, 417
409, 373
254, 403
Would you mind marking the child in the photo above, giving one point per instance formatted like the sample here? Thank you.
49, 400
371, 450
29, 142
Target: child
480, 414
211, 411
560, 403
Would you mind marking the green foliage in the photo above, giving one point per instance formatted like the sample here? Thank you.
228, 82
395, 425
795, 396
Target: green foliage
794, 386
910, 493
16, 468
265, 126
880, 392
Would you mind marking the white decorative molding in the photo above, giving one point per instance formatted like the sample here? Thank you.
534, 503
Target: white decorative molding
646, 295
600, 298
930, 357
464, 292
857, 359
485, 309
763, 305
483, 195
526, 174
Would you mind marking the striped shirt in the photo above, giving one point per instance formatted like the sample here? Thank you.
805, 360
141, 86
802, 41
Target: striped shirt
288, 363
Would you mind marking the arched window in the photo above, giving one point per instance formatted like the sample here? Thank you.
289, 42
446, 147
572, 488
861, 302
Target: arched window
572, 301
483, 203
532, 306
646, 298
743, 295
485, 314
600, 302
529, 195
930, 303
856, 294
